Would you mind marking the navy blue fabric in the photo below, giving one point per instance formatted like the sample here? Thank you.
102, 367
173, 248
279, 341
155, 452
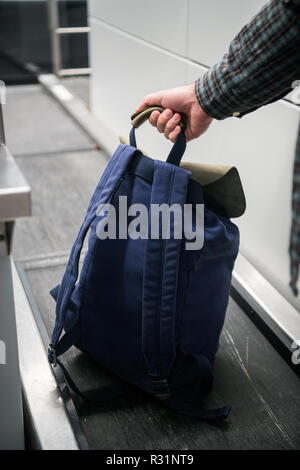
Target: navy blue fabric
149, 309
161, 267
106, 185
176, 152
178, 149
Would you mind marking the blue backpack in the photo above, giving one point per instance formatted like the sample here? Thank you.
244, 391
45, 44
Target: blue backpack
148, 309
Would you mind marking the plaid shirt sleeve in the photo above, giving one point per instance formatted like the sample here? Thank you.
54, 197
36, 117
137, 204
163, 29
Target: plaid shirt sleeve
262, 62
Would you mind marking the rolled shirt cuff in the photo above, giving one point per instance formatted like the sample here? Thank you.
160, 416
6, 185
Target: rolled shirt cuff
215, 98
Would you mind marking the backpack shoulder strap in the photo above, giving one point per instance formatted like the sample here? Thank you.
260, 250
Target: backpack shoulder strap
161, 265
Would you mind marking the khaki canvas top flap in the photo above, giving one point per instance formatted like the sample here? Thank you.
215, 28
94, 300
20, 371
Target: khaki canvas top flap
221, 183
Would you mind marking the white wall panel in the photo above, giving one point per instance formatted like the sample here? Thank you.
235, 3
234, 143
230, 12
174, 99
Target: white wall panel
213, 24
262, 146
125, 69
163, 23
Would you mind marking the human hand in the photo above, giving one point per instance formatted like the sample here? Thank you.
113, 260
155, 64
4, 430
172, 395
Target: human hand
177, 100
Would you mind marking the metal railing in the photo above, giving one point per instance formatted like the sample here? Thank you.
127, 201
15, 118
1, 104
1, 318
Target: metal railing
56, 32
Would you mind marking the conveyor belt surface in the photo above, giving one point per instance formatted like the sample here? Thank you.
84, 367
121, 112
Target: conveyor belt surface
249, 375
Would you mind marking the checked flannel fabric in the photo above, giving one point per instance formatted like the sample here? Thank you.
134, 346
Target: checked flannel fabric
260, 67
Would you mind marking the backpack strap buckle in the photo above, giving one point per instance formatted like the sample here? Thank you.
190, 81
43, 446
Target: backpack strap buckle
161, 388
52, 358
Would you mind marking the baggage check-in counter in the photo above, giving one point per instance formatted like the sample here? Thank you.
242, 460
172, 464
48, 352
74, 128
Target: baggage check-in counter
254, 371
250, 374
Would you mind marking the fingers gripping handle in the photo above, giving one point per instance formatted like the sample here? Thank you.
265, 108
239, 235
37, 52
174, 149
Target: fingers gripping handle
178, 149
138, 118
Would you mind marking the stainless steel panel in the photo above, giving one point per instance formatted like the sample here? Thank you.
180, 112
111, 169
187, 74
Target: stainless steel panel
11, 415
275, 311
14, 189
49, 421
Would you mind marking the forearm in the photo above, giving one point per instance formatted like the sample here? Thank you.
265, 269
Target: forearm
262, 62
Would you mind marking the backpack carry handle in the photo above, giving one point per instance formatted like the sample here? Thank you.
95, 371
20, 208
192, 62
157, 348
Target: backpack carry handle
178, 149
139, 117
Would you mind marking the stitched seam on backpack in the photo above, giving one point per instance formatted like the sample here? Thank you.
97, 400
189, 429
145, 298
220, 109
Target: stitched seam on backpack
88, 269
78, 274
188, 284
163, 249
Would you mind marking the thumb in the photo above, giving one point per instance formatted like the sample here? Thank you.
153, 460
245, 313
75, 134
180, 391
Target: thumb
151, 100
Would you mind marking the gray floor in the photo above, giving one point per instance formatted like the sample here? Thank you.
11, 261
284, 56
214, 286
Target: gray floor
58, 160
62, 184
35, 124
250, 375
